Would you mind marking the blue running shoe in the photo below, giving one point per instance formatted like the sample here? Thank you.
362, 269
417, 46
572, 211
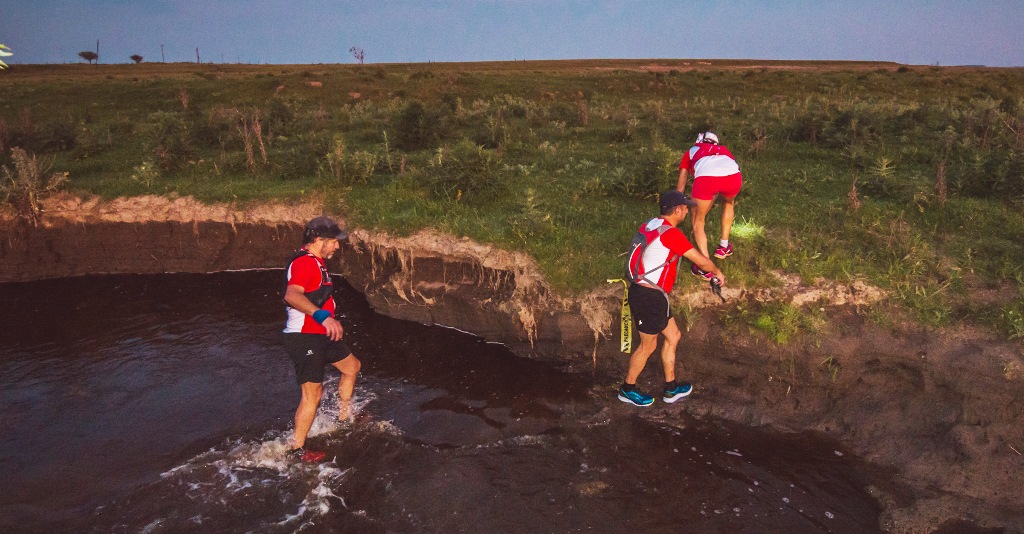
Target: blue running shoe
678, 392
635, 398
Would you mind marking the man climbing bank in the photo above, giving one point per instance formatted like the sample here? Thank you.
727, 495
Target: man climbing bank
312, 334
715, 172
652, 270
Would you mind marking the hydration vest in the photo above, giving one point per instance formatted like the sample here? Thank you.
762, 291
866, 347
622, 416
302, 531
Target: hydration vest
711, 160
321, 295
636, 254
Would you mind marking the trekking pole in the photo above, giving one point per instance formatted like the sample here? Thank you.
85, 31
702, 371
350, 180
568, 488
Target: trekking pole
716, 288
626, 328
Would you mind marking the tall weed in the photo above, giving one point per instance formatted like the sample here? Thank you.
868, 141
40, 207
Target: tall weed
27, 183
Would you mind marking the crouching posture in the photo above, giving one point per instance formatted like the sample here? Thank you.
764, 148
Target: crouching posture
652, 269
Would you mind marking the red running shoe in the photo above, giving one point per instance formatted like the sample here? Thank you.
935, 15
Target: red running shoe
307, 455
722, 252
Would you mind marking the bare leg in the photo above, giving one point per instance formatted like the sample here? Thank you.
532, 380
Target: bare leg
349, 368
668, 349
648, 342
728, 214
304, 415
700, 237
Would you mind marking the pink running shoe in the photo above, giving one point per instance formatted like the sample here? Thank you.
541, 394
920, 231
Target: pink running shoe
722, 252
697, 271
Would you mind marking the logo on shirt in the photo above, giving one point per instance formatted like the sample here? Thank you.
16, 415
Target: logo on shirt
309, 352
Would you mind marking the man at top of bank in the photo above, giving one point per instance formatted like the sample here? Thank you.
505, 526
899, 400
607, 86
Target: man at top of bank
715, 174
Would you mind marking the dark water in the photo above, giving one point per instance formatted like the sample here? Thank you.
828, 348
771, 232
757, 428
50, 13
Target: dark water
163, 404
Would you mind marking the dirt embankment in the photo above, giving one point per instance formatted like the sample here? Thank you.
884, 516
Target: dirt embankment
940, 410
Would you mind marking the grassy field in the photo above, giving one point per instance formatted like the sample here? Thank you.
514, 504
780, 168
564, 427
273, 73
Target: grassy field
909, 177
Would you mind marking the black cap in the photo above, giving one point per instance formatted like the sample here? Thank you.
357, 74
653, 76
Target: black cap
672, 198
325, 227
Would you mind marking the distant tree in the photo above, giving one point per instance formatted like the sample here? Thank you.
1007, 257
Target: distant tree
88, 55
357, 53
136, 58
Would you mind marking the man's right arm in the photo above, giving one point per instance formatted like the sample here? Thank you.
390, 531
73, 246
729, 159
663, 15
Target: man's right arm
295, 296
681, 185
684, 167
677, 242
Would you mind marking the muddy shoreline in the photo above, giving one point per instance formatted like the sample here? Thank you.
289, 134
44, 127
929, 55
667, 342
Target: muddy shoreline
940, 409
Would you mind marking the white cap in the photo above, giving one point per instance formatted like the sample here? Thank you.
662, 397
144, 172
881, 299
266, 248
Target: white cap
707, 137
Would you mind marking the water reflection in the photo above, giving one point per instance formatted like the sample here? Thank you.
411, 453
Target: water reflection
145, 402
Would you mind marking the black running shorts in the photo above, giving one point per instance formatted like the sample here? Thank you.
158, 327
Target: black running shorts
311, 352
649, 308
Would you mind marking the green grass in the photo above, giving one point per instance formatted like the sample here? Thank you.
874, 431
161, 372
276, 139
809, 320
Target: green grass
563, 159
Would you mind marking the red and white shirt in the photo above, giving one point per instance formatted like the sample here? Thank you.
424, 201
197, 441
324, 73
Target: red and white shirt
708, 159
309, 272
671, 244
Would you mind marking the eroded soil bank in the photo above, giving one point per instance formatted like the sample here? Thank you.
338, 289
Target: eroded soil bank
942, 410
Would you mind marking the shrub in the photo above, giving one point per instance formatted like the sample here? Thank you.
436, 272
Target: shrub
532, 221
1013, 319
146, 174
92, 139
992, 173
303, 156
645, 172
1012, 313
22, 132
882, 180
170, 139
25, 186
220, 128
58, 135
279, 116
563, 112
351, 168
653, 110
807, 125
416, 127
465, 172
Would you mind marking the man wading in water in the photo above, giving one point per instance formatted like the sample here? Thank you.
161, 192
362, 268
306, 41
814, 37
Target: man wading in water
312, 335
652, 269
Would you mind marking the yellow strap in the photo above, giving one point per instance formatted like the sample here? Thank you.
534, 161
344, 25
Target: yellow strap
626, 330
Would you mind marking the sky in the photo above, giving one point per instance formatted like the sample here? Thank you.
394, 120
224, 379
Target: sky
915, 32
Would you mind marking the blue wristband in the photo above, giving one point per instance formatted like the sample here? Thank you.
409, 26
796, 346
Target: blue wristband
321, 315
